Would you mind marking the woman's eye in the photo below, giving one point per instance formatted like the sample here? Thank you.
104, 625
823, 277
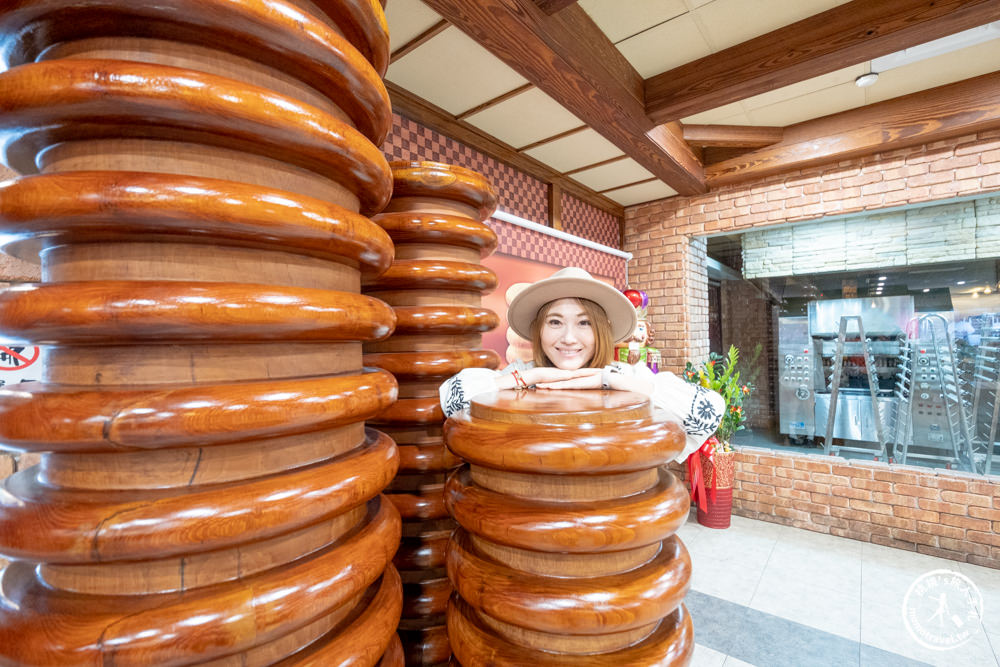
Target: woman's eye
554, 323
584, 323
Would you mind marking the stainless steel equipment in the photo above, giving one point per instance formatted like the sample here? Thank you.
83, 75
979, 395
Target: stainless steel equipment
796, 398
861, 359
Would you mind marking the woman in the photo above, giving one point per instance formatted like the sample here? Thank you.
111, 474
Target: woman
573, 322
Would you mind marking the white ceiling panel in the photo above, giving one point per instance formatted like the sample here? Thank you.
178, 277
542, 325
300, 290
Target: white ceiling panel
947, 68
525, 118
612, 175
723, 115
729, 22
665, 47
820, 103
454, 72
624, 18
802, 88
638, 194
407, 19
577, 150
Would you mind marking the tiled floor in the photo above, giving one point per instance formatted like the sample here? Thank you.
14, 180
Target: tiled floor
773, 596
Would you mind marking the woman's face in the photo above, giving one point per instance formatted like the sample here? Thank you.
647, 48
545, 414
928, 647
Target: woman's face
567, 335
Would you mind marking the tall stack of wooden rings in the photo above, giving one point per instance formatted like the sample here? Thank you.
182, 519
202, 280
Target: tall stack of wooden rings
566, 553
195, 180
435, 285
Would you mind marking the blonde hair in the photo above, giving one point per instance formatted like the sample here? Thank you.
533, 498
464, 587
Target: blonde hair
604, 346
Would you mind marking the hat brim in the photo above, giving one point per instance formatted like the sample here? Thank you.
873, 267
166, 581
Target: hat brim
525, 306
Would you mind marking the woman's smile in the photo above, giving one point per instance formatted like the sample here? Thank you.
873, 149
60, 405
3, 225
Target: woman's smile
567, 335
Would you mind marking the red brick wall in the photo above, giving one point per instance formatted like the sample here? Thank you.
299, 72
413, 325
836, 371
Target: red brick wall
936, 512
668, 264
939, 513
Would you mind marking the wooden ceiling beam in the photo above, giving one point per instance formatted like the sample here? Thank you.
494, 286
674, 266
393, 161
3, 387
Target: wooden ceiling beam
422, 111
732, 136
550, 7
419, 40
568, 57
840, 37
964, 107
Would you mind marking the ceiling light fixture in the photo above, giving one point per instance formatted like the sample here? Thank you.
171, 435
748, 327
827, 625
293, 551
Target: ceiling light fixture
937, 47
926, 290
987, 291
960, 282
881, 277
866, 80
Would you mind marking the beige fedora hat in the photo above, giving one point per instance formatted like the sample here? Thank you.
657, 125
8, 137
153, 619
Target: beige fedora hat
571, 283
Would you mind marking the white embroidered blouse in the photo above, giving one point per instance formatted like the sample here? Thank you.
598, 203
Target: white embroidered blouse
698, 410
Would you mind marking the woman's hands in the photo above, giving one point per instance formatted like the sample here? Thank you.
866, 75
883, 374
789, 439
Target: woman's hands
556, 378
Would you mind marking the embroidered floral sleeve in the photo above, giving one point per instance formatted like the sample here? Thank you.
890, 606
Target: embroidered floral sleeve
458, 390
698, 410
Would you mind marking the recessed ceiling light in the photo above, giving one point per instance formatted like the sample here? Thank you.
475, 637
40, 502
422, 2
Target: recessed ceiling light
960, 282
866, 80
927, 289
881, 277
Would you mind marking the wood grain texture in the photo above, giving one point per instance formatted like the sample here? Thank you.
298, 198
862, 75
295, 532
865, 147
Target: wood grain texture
48, 102
435, 219
410, 227
837, 38
568, 57
36, 628
207, 492
294, 41
739, 136
96, 312
575, 556
41, 211
956, 109
670, 645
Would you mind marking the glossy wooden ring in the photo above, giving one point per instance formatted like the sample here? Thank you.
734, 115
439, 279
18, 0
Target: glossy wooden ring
274, 32
394, 655
201, 415
96, 206
603, 448
412, 411
593, 527
427, 646
426, 598
367, 637
435, 274
594, 605
422, 553
426, 458
474, 644
258, 609
439, 228
50, 102
419, 507
444, 181
438, 320
112, 312
418, 365
59, 526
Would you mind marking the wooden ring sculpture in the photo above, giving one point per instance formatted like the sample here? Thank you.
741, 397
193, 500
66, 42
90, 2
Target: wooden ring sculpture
566, 552
435, 287
195, 180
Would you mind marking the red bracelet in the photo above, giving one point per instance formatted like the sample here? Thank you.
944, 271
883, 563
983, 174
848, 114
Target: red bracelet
519, 381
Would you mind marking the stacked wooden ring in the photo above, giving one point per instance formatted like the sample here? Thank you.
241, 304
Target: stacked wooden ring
435, 285
195, 179
566, 552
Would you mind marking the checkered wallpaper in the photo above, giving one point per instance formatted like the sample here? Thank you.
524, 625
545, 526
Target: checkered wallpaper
517, 193
581, 219
521, 242
521, 195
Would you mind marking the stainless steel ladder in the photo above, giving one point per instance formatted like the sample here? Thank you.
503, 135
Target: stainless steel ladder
931, 332
903, 397
986, 401
835, 378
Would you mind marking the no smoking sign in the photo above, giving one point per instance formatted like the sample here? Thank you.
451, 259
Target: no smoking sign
17, 357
